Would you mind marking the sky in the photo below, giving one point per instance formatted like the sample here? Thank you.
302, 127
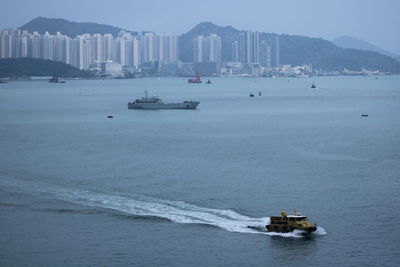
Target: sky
375, 21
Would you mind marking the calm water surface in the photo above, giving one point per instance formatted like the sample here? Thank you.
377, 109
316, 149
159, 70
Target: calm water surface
180, 187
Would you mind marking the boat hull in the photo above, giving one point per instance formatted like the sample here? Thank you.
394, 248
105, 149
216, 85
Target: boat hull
184, 105
280, 229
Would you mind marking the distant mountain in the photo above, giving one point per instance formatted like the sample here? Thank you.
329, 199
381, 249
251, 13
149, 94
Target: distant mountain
228, 34
11, 67
351, 42
296, 50
69, 28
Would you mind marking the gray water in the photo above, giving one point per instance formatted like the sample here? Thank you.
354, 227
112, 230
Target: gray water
180, 187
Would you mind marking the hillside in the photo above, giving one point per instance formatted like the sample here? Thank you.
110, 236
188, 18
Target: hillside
296, 50
228, 34
351, 42
11, 67
69, 28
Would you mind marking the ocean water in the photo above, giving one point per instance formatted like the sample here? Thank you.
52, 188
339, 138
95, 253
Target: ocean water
181, 187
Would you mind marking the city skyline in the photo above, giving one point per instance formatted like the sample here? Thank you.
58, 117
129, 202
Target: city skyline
361, 19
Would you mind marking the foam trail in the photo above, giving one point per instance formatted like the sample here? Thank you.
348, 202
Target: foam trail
175, 211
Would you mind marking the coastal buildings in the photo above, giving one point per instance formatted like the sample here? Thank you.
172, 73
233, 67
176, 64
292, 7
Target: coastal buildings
252, 53
85, 50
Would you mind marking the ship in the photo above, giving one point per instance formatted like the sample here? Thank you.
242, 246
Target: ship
154, 102
55, 79
288, 223
196, 79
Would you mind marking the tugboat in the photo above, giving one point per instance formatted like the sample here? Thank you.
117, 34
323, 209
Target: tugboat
288, 223
154, 102
55, 79
196, 79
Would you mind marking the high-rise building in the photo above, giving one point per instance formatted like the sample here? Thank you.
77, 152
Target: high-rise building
235, 51
275, 51
265, 54
207, 49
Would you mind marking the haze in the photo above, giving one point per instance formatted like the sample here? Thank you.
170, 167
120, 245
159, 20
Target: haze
374, 21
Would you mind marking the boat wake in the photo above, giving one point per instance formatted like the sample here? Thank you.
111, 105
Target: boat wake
175, 211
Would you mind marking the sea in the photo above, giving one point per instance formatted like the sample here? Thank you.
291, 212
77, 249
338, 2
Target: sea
181, 187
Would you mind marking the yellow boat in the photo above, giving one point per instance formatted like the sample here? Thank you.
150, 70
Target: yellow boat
288, 223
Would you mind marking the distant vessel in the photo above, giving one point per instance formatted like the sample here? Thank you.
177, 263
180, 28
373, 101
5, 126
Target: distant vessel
364, 115
313, 86
55, 79
154, 102
196, 79
1, 81
251, 95
208, 82
288, 223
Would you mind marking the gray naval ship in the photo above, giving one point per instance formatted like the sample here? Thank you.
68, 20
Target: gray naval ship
154, 102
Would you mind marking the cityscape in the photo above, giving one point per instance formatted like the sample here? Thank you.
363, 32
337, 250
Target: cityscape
199, 133
150, 53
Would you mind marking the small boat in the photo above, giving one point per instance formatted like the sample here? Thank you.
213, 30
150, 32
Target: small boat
313, 86
196, 79
208, 82
55, 79
288, 223
364, 115
251, 95
110, 117
1, 81
259, 93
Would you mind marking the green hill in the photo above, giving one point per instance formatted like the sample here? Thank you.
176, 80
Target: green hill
351, 42
19, 67
296, 50
69, 28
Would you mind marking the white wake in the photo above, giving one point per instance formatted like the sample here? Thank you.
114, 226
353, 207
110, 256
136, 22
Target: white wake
176, 211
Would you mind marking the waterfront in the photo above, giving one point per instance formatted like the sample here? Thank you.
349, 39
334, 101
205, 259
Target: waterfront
178, 187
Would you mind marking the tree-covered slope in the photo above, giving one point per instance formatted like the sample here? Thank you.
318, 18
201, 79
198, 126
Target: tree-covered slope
69, 28
11, 67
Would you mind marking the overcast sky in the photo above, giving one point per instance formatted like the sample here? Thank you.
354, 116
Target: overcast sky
375, 21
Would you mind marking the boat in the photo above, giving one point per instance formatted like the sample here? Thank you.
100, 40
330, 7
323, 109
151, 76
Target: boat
208, 82
55, 79
364, 115
251, 95
154, 102
313, 86
1, 81
259, 93
196, 79
288, 223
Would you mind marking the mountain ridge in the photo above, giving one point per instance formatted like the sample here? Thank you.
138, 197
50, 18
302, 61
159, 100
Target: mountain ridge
352, 42
294, 49
69, 28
